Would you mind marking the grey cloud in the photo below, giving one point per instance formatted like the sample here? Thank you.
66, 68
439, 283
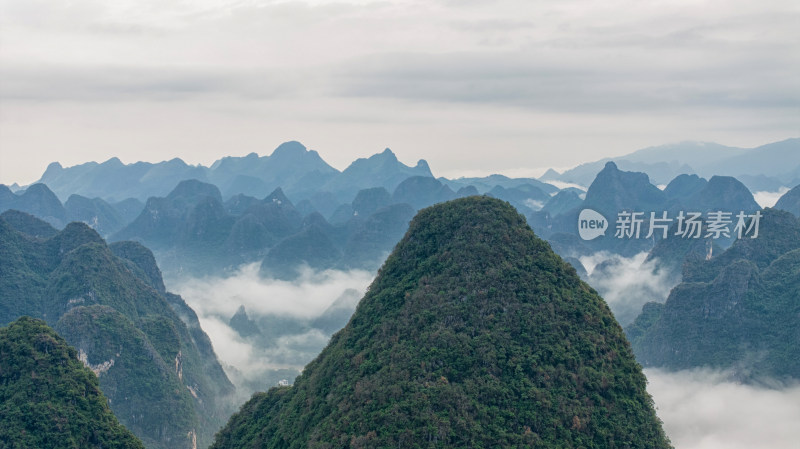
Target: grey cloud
115, 83
307, 297
532, 81
289, 305
492, 25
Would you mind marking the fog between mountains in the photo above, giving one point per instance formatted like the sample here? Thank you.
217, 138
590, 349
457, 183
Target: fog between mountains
627, 283
216, 299
701, 409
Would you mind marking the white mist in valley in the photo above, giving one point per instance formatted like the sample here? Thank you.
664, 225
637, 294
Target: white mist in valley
703, 409
627, 283
284, 311
305, 297
768, 199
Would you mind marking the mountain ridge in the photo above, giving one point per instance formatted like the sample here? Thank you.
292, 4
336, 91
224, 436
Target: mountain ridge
451, 347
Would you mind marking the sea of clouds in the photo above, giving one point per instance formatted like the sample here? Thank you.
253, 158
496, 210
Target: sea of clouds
701, 408
704, 409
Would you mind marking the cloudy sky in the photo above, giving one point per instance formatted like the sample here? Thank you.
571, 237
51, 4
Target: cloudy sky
472, 86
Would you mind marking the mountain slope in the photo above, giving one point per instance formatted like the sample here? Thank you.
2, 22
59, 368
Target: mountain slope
474, 334
161, 375
36, 200
790, 201
738, 311
48, 398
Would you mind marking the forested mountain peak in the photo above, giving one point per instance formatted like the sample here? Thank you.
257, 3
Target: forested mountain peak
473, 334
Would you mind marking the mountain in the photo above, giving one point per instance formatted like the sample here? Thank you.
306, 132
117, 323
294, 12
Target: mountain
338, 313
114, 181
790, 201
290, 166
525, 197
368, 201
311, 247
487, 183
36, 200
190, 225
128, 209
694, 154
773, 159
616, 193
474, 334
154, 362
684, 185
28, 224
379, 170
614, 190
48, 398
422, 191
776, 163
371, 239
97, 213
192, 231
242, 324
561, 202
671, 253
737, 311
720, 193
582, 175
238, 204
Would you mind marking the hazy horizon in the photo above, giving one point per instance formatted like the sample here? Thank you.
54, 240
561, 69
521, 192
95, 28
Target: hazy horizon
489, 86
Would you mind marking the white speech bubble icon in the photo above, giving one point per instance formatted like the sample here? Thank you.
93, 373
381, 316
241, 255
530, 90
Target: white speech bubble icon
591, 224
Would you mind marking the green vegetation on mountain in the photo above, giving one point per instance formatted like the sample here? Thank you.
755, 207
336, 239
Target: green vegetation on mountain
154, 362
48, 398
790, 201
28, 224
474, 334
738, 311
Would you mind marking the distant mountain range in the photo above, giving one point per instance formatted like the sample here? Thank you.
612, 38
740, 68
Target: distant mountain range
299, 172
303, 174
766, 167
197, 227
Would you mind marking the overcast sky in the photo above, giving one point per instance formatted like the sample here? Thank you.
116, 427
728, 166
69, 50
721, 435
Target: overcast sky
472, 86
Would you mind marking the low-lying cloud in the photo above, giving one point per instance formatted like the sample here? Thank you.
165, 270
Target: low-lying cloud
627, 283
702, 409
305, 297
283, 310
768, 199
